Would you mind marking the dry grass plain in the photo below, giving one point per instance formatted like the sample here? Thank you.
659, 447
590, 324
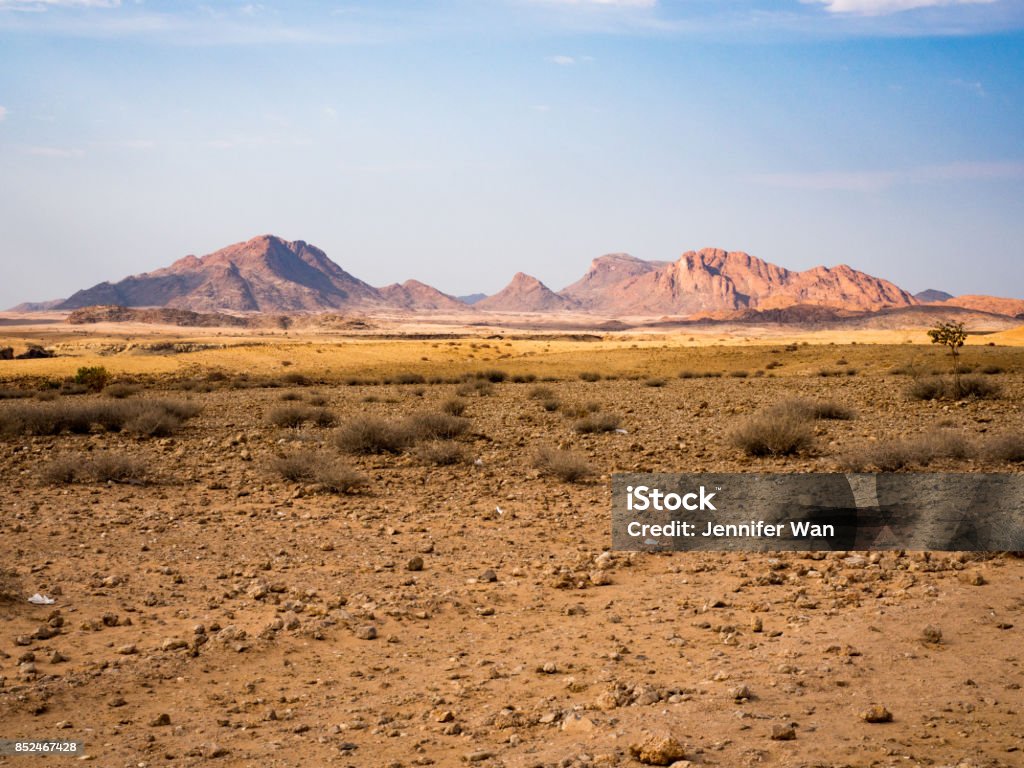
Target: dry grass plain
210, 611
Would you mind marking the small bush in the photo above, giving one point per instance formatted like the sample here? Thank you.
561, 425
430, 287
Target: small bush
814, 409
1008, 448
739, 374
978, 388
454, 406
590, 376
931, 388
687, 374
368, 434
317, 400
410, 378
441, 453
156, 418
937, 388
61, 471
492, 375
295, 379
289, 416
550, 405
314, 468
153, 422
992, 370
436, 426
564, 465
14, 394
655, 382
290, 396
115, 468
524, 378
772, 434
93, 378
597, 423
542, 393
121, 391
893, 455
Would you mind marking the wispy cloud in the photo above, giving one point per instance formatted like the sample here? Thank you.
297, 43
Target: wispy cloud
973, 86
885, 7
561, 60
43, 5
867, 181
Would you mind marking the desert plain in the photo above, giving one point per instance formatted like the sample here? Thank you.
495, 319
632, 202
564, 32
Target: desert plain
247, 583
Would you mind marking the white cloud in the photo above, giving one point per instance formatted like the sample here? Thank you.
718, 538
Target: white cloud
42, 5
3, 114
885, 7
565, 61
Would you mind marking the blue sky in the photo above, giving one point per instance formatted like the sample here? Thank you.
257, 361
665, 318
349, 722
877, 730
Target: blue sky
458, 142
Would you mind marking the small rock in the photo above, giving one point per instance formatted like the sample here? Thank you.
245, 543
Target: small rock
367, 632
657, 750
58, 658
117, 701
415, 564
479, 756
876, 713
159, 720
740, 693
173, 644
127, 650
756, 625
783, 732
488, 576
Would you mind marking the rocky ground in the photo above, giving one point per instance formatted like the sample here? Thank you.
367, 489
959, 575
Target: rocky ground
471, 614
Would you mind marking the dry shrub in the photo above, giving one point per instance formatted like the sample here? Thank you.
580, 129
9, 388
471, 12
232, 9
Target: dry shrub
121, 391
655, 382
7, 393
739, 374
406, 378
892, 455
688, 374
289, 416
1006, 448
937, 388
436, 426
814, 409
992, 370
597, 423
290, 396
454, 406
295, 379
564, 465
314, 468
369, 434
441, 453
590, 376
103, 467
772, 434
154, 418
524, 378
541, 393
551, 405
493, 375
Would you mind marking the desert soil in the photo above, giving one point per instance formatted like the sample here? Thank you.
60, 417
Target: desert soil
471, 614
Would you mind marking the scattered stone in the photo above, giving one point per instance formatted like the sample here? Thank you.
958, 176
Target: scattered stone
576, 723
128, 650
876, 713
159, 720
117, 701
756, 625
367, 632
173, 644
783, 732
58, 658
741, 693
479, 756
488, 576
657, 750
415, 564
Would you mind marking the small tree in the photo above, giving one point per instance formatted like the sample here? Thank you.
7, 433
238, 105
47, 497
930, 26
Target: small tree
951, 335
94, 378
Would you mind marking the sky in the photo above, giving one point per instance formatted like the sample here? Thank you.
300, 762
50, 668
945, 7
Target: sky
460, 142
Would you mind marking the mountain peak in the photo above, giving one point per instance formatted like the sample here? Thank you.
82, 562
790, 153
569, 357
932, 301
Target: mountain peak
525, 293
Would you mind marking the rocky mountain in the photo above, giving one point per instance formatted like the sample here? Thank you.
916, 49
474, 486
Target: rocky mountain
526, 294
265, 274
994, 304
714, 281
472, 298
414, 295
930, 296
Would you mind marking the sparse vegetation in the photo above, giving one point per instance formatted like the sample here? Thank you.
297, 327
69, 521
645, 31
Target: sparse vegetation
102, 467
315, 468
937, 388
542, 393
893, 455
454, 406
590, 376
655, 382
369, 434
773, 434
953, 336
151, 418
436, 426
565, 465
1009, 448
441, 453
813, 409
121, 391
492, 375
93, 378
597, 423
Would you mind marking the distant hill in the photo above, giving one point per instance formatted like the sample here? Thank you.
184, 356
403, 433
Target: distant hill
472, 298
931, 296
526, 294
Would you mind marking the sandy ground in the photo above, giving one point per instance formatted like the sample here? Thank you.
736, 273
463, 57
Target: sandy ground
219, 615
